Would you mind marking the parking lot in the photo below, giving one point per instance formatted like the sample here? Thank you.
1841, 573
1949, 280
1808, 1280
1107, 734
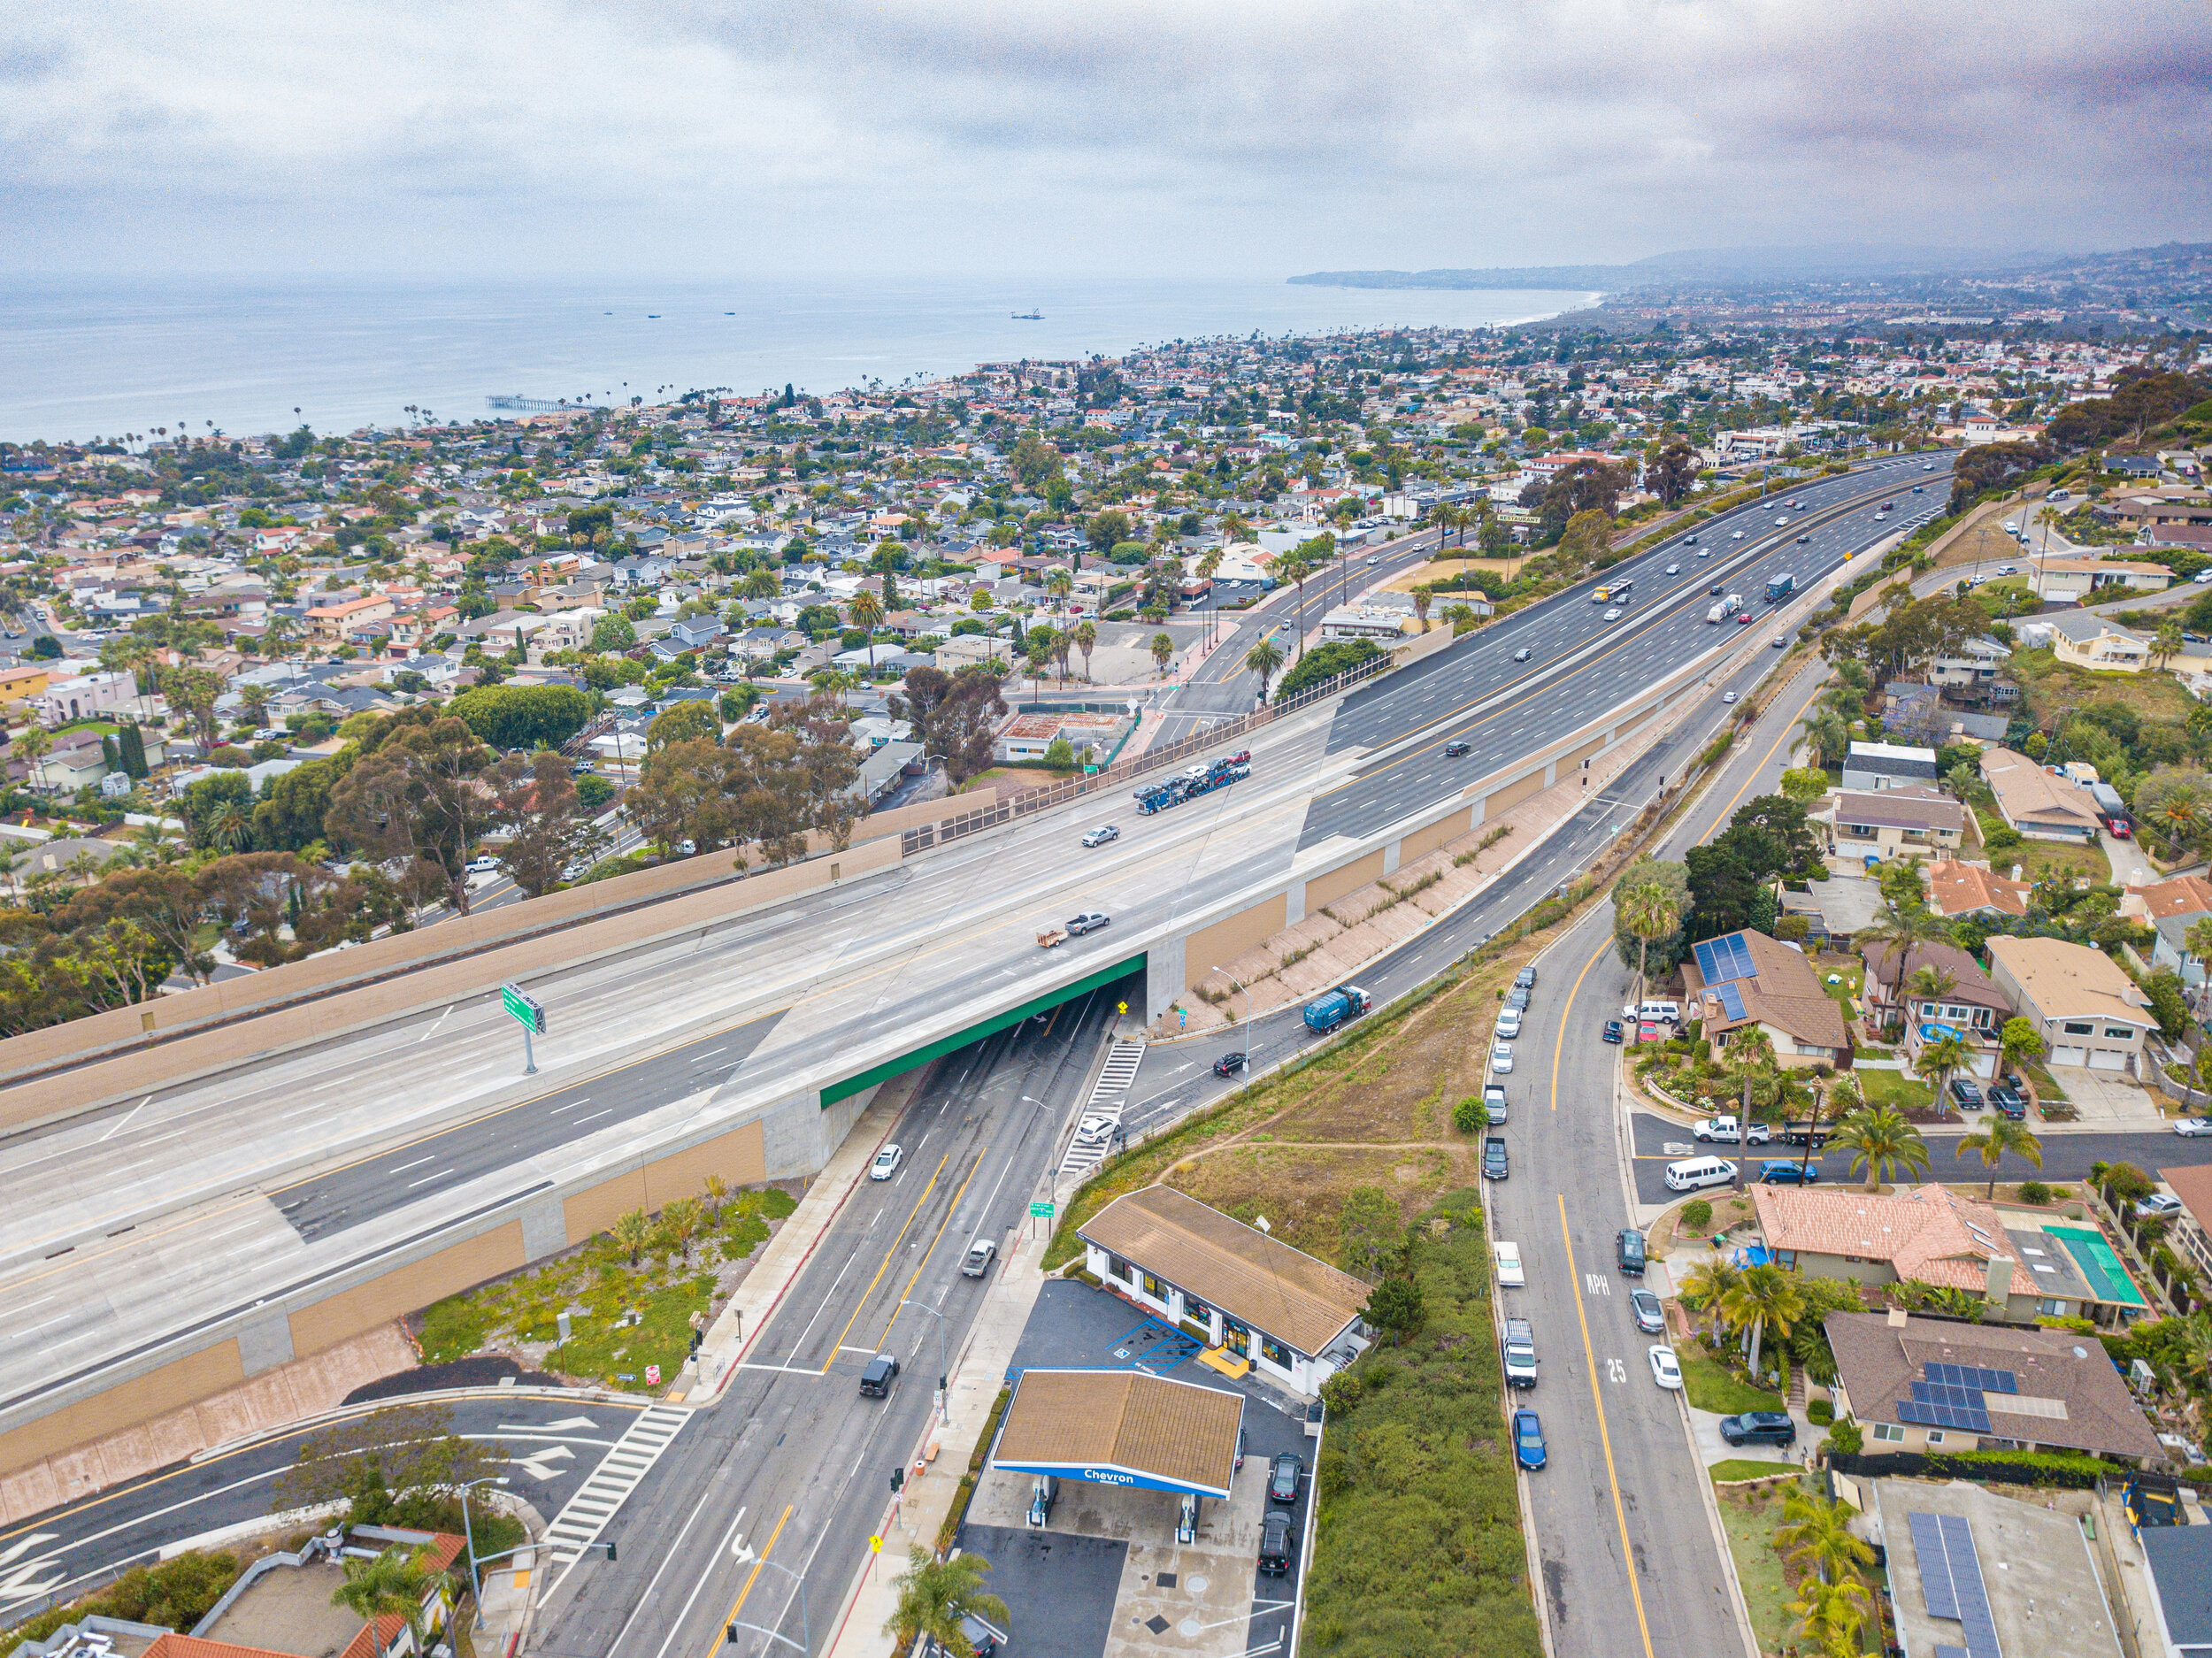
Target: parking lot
1105, 1578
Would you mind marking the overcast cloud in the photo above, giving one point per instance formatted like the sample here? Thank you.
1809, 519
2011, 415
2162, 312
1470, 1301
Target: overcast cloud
1097, 137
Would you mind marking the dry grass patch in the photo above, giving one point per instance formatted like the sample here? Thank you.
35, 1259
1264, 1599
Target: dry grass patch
2052, 685
1301, 1189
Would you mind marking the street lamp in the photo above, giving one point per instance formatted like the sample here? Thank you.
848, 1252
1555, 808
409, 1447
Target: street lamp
805, 1643
943, 1382
468, 1532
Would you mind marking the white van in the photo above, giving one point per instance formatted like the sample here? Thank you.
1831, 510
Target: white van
1655, 1013
1694, 1172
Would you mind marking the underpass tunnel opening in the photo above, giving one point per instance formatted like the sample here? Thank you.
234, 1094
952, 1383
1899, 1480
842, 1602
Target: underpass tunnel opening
1122, 983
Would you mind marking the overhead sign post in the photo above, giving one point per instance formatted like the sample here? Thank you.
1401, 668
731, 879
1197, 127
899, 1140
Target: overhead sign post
525, 1010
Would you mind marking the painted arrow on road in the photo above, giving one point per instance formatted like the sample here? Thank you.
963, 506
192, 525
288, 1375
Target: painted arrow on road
20, 1578
538, 1464
562, 1426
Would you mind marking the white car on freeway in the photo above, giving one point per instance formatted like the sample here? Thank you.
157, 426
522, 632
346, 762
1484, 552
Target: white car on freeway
2189, 1127
1673, 570
1613, 615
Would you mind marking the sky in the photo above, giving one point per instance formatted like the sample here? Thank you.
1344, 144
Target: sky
476, 138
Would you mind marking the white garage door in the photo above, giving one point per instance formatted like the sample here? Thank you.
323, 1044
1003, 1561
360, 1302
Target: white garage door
2070, 1056
2105, 1059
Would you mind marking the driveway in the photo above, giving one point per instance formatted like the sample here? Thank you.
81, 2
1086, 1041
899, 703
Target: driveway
2130, 867
2109, 1099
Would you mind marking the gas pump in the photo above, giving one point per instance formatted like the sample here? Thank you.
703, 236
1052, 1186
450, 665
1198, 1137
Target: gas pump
1187, 1522
1040, 1496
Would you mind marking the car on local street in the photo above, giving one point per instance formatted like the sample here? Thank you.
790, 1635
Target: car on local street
1101, 836
1525, 980
2191, 1127
1502, 1058
1968, 1095
1089, 921
886, 1164
1528, 1439
979, 1257
1759, 1427
1229, 1065
1787, 1171
1613, 1032
1651, 1317
1283, 1477
1095, 1130
875, 1379
1781, 641
1664, 1370
481, 865
1508, 1022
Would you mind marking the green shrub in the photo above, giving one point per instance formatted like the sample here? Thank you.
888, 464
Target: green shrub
1468, 1116
1846, 1437
1697, 1215
176, 1594
2035, 1192
1820, 1413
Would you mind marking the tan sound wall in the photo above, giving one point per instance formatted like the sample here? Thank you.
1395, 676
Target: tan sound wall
1421, 842
183, 1382
448, 1272
1322, 890
1506, 796
1230, 936
740, 1156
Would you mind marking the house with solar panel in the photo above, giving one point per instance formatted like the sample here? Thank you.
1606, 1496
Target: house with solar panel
1937, 1385
1744, 981
2023, 1263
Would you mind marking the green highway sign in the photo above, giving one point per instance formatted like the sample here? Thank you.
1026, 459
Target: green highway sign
522, 1007
1041, 1211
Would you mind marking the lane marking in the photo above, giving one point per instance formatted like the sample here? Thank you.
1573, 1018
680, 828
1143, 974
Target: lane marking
888, 1255
1559, 1046
951, 1209
1605, 1437
752, 1577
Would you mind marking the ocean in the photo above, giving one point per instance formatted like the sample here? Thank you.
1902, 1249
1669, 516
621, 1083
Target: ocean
84, 359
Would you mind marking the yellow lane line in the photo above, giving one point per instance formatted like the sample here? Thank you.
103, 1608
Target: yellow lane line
1565, 1013
950, 1210
752, 1577
1605, 1436
886, 1267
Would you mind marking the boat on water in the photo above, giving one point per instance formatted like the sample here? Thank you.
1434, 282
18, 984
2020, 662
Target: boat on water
1029, 316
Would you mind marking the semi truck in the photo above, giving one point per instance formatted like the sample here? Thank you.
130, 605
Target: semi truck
1518, 1350
1781, 587
1189, 785
1331, 1009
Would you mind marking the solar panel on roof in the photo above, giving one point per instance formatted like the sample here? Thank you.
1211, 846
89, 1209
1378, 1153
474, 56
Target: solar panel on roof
1951, 1581
1731, 1001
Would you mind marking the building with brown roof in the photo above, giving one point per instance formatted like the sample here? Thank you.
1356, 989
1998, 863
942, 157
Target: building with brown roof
1746, 980
2183, 895
2041, 805
1891, 823
1122, 1427
1972, 1009
2191, 1234
2064, 1395
1293, 1318
1966, 889
2088, 1011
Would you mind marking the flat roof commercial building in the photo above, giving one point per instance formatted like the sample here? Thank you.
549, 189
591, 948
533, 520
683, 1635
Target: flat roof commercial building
1122, 1427
1264, 1304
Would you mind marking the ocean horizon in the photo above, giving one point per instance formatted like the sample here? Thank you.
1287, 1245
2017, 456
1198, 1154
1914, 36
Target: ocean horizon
80, 358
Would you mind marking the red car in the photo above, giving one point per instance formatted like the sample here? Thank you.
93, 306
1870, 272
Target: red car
1744, 620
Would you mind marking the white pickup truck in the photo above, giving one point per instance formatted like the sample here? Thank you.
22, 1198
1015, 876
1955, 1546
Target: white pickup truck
1508, 1257
1730, 1131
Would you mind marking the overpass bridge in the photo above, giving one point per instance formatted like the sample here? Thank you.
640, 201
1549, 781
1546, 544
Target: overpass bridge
173, 1241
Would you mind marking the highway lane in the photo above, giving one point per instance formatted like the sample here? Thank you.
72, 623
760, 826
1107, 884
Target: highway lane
553, 1443
793, 1466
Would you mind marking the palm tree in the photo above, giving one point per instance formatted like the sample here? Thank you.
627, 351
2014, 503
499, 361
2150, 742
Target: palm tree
232, 825
1086, 642
1764, 1295
1263, 659
1942, 1059
2001, 1136
35, 745
1832, 1615
1900, 930
934, 1595
1162, 652
631, 1233
1650, 909
761, 583
1881, 1144
867, 611
2166, 644
1059, 584
1843, 1094
681, 1220
255, 698
1750, 1059
1932, 983
717, 1193
1816, 1533
1707, 1286
1829, 734
393, 1584
2179, 812
2194, 1340
1422, 599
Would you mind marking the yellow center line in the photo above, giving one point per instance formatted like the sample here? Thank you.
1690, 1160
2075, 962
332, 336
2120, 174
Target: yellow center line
837, 1346
951, 1209
1605, 1437
1560, 1046
752, 1577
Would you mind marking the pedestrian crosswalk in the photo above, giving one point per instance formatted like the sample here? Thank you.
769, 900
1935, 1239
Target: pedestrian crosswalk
1108, 1095
584, 1515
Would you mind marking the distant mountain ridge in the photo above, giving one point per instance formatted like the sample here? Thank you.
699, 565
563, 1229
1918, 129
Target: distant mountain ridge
1698, 266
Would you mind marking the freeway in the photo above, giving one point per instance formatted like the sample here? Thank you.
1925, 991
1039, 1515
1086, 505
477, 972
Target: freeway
241, 1191
792, 1467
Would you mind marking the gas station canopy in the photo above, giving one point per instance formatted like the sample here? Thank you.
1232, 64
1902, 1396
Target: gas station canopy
1122, 1427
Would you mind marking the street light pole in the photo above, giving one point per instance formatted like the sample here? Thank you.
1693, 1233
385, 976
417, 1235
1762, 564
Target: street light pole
805, 1643
944, 1383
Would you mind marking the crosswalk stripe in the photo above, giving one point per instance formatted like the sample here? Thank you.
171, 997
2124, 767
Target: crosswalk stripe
1108, 1095
608, 1486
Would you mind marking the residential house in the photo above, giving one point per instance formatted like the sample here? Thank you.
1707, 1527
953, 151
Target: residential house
1743, 981
2190, 1234
2086, 1009
2065, 1395
1966, 889
18, 684
1914, 713
1264, 1305
2057, 580
1972, 1009
339, 622
2172, 907
2040, 804
88, 696
1970, 667
2083, 640
1891, 823
2022, 1264
1868, 766
45, 857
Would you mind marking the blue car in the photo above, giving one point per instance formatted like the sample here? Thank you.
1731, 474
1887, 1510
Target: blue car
1789, 1171
1528, 1439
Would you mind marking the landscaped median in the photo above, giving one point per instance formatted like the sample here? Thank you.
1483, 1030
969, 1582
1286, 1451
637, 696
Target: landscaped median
1352, 1156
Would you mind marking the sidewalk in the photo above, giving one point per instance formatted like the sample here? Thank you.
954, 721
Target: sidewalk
933, 1484
778, 1268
